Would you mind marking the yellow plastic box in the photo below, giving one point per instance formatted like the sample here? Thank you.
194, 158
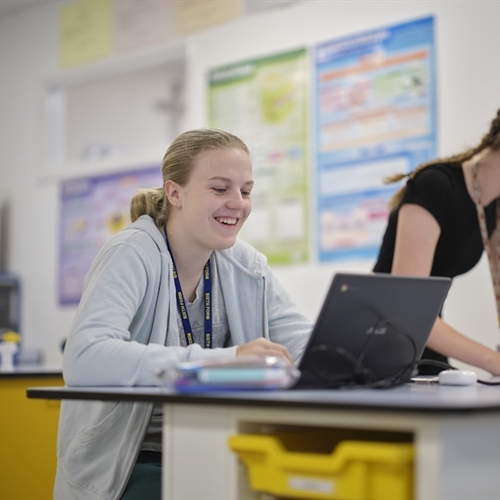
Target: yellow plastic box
354, 470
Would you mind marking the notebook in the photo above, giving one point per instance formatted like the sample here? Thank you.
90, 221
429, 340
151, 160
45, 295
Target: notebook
371, 330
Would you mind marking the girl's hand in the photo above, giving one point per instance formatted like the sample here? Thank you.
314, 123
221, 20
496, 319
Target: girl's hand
263, 347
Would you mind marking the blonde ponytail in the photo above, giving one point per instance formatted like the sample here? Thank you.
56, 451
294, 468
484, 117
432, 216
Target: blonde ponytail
149, 202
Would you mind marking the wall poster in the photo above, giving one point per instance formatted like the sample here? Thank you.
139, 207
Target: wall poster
92, 210
265, 103
375, 116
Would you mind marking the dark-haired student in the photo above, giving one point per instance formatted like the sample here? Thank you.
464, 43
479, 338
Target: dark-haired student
442, 220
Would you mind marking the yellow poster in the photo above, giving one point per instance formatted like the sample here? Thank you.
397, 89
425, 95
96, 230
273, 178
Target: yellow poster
85, 32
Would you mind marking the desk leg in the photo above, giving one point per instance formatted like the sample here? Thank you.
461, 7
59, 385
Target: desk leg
197, 463
427, 460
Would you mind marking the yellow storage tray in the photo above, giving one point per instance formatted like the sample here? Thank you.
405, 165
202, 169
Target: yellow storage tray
354, 470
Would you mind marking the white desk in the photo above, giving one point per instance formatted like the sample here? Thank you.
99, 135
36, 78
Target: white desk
456, 432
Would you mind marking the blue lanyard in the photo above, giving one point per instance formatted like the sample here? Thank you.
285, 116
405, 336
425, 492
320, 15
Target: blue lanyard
181, 304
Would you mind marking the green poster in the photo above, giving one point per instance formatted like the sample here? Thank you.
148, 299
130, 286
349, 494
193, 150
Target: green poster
265, 103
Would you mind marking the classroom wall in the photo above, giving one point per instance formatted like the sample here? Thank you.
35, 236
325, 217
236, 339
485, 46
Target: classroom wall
468, 82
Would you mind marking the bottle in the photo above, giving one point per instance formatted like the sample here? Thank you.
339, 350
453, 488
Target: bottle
9, 347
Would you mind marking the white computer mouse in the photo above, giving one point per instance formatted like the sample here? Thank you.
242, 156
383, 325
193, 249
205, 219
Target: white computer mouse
457, 377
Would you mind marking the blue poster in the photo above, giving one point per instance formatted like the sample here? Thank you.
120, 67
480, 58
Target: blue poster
93, 209
375, 101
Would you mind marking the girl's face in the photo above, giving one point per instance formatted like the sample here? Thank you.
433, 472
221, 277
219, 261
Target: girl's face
212, 207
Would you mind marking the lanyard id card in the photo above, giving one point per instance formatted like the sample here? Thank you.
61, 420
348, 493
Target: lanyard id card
181, 303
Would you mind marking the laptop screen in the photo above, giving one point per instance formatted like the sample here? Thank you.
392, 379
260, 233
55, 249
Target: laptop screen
371, 330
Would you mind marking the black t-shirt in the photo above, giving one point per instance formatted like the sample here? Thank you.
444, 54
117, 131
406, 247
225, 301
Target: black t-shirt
442, 191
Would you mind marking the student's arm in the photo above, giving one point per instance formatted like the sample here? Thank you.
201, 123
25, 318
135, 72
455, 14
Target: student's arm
416, 240
448, 341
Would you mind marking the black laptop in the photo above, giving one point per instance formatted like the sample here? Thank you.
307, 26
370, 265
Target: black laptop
371, 330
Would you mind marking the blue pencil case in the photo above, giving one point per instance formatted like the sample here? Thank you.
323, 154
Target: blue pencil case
240, 373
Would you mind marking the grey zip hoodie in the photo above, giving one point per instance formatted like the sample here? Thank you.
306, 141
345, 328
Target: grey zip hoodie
125, 330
